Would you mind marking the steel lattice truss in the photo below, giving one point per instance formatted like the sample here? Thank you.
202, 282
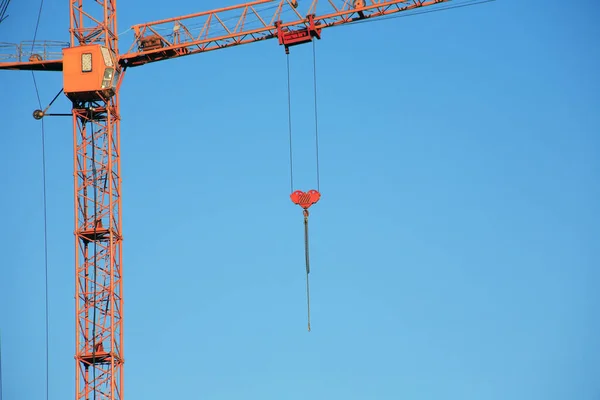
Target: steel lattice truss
98, 259
96, 135
99, 291
253, 22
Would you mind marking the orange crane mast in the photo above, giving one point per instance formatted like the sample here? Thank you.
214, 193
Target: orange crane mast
93, 70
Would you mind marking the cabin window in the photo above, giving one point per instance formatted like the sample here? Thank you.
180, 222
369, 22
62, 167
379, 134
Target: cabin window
108, 78
108, 61
86, 62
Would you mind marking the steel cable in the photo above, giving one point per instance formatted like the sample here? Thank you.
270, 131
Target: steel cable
45, 208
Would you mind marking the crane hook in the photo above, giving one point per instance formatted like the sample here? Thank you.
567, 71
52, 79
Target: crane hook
305, 200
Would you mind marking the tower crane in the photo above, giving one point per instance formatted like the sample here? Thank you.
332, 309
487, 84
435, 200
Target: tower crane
93, 68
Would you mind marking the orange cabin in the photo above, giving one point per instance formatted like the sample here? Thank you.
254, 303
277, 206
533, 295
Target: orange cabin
89, 72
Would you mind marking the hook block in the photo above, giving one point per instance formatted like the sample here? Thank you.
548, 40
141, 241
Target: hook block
307, 199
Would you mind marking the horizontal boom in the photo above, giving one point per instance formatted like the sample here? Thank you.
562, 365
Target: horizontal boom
231, 26
247, 23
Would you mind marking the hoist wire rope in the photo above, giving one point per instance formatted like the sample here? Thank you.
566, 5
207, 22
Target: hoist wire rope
306, 242
45, 207
306, 251
289, 93
316, 115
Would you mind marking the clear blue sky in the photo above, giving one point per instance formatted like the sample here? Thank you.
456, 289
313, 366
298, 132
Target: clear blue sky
454, 252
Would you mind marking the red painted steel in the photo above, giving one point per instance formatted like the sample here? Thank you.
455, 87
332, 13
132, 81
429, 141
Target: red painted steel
293, 37
96, 140
219, 29
97, 168
305, 200
236, 25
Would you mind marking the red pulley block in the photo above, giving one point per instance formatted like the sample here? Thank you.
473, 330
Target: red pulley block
307, 199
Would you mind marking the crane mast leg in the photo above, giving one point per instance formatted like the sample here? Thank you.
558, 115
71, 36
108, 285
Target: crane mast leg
99, 297
90, 71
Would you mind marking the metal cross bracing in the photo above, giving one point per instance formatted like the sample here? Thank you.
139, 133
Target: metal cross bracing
97, 171
92, 71
99, 290
226, 27
247, 23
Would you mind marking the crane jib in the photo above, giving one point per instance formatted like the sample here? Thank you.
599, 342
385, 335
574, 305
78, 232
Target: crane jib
93, 68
